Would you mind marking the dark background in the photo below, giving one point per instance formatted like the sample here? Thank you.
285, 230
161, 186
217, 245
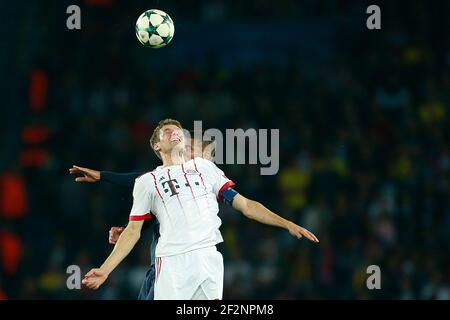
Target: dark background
364, 140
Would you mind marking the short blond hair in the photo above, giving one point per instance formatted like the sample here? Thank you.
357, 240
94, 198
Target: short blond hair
156, 133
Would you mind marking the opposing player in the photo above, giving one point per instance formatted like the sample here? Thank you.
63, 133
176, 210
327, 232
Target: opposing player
183, 196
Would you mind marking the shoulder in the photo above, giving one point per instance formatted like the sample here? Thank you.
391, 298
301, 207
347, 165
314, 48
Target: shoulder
200, 162
208, 167
146, 180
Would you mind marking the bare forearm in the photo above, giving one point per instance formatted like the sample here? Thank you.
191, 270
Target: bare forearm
124, 245
256, 211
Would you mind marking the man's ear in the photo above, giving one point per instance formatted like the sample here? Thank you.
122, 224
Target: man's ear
157, 146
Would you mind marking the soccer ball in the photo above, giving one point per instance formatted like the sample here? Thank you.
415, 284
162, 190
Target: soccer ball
154, 28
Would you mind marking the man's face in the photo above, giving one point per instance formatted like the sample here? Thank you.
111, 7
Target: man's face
170, 138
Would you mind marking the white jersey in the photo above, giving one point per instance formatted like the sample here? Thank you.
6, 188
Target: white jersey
184, 199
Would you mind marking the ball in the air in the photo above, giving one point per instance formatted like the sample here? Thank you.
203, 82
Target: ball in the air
154, 28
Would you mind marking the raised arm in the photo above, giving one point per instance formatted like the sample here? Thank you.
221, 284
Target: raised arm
256, 211
127, 240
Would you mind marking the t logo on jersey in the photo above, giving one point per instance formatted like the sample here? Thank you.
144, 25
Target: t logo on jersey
172, 185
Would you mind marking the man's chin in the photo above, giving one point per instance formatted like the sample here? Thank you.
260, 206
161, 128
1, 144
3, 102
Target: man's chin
177, 145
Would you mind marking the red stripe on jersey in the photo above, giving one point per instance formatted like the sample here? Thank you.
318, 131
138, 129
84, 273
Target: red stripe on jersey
185, 177
156, 186
227, 185
158, 266
203, 182
199, 175
178, 198
162, 199
146, 216
190, 187
171, 183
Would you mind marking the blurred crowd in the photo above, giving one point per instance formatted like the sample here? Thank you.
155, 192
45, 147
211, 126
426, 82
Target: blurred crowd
364, 152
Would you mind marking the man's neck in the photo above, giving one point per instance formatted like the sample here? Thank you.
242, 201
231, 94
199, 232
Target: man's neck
172, 159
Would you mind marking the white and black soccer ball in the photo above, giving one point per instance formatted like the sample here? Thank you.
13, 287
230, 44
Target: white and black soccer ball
154, 28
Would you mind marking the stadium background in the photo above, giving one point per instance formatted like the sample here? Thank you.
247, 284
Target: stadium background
364, 146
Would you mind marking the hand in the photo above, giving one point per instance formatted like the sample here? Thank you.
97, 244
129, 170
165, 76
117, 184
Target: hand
89, 175
94, 278
300, 232
114, 234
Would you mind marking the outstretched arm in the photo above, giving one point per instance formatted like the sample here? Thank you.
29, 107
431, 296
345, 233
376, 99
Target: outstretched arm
127, 240
256, 211
120, 179
223, 187
90, 175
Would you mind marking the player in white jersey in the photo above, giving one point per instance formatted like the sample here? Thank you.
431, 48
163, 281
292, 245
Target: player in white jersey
184, 196
194, 148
